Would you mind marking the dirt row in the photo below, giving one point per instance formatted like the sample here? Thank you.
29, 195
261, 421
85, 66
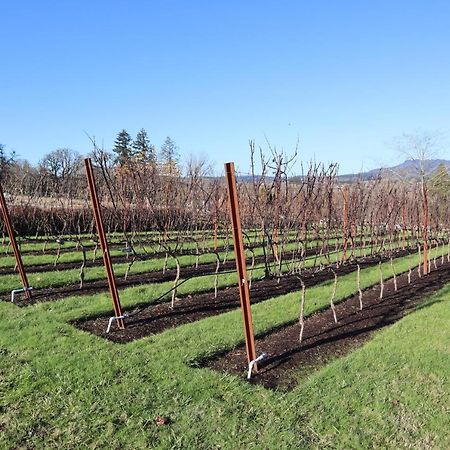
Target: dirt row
37, 268
288, 361
95, 287
154, 319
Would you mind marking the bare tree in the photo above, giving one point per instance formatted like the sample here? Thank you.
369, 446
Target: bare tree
420, 147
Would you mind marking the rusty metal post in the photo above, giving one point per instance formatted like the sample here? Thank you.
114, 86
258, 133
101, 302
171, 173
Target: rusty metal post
104, 245
12, 240
241, 267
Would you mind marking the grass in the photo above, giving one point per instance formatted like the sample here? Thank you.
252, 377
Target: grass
64, 257
63, 388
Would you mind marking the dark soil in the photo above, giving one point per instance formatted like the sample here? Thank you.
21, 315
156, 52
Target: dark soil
288, 361
34, 268
154, 319
31, 268
94, 287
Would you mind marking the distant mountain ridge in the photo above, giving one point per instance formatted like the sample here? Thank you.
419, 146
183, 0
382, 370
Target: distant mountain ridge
407, 169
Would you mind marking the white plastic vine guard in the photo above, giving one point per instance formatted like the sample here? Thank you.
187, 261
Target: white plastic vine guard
252, 363
17, 291
112, 319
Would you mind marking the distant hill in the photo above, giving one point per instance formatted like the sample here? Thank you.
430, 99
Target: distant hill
407, 169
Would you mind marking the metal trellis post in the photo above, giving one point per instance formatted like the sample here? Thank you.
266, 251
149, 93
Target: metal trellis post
104, 246
12, 239
241, 266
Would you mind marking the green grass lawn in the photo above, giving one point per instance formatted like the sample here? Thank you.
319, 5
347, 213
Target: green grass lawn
63, 388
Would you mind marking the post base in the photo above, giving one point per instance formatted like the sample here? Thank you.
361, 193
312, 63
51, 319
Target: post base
252, 363
17, 291
112, 319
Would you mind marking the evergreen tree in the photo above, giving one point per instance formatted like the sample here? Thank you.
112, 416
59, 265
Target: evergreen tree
440, 182
144, 152
6, 161
169, 156
3, 162
3, 158
122, 148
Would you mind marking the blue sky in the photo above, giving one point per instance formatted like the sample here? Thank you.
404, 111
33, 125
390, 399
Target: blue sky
344, 77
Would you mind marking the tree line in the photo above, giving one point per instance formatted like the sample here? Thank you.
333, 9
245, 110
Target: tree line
60, 172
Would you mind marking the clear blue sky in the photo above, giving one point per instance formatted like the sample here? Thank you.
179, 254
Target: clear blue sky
346, 77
